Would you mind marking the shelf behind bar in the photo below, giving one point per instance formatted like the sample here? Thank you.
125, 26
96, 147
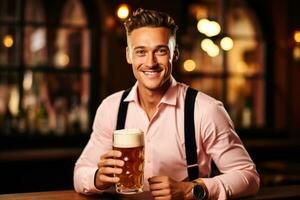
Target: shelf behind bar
39, 154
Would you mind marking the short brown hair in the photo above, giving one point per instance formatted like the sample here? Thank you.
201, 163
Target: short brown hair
150, 18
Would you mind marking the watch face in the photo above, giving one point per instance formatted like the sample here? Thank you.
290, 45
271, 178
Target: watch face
198, 192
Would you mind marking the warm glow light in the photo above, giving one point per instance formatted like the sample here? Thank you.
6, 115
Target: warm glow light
123, 11
213, 51
210, 48
14, 99
38, 39
296, 53
8, 41
189, 65
62, 59
206, 44
209, 28
203, 25
27, 82
110, 22
226, 43
214, 29
297, 36
241, 67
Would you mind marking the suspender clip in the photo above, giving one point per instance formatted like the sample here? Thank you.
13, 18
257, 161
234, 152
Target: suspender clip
193, 165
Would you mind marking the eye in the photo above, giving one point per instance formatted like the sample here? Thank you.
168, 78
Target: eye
140, 52
162, 51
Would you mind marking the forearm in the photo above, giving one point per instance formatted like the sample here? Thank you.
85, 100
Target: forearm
84, 180
233, 184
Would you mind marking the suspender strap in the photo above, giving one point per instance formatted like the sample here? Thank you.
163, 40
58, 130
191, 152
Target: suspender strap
189, 134
122, 110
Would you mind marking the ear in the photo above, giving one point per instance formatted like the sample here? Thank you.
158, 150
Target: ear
176, 54
128, 57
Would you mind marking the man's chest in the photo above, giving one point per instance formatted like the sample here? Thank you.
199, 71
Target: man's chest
163, 134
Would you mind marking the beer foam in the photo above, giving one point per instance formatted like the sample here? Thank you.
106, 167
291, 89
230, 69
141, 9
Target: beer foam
126, 138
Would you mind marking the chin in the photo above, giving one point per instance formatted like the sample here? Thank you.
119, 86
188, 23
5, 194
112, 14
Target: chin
153, 88
152, 84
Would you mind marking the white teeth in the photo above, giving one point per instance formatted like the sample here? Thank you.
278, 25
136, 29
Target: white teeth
151, 72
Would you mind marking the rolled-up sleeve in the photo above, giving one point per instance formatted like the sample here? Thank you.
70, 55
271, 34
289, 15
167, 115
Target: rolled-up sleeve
238, 175
100, 142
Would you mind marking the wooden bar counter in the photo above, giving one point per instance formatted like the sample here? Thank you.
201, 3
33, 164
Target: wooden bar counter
275, 193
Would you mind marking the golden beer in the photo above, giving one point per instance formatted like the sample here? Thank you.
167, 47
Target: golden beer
131, 143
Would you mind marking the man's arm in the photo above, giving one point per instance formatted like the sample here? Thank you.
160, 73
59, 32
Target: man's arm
99, 143
238, 172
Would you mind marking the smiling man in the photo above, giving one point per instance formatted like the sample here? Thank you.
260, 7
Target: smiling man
156, 105
151, 52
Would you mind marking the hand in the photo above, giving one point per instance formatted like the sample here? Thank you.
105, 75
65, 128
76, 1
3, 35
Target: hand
107, 167
164, 188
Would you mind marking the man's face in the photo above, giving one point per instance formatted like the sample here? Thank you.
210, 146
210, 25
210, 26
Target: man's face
151, 51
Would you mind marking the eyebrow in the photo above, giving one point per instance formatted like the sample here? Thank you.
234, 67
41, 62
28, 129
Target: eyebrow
156, 47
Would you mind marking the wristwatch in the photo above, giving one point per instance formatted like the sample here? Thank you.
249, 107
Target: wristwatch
199, 191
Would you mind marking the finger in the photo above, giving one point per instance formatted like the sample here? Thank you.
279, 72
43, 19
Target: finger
111, 154
110, 170
159, 182
168, 197
110, 162
188, 195
159, 186
162, 192
108, 179
158, 179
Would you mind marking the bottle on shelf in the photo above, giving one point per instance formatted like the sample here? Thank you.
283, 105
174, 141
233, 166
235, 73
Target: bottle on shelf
21, 121
74, 115
247, 113
60, 107
84, 119
43, 119
31, 112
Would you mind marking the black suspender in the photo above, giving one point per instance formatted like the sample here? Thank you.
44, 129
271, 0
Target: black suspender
122, 110
189, 134
189, 129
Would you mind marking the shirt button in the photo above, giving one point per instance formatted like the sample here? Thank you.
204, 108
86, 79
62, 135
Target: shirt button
149, 161
148, 140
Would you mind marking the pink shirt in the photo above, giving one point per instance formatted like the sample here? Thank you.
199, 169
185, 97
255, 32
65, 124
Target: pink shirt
164, 143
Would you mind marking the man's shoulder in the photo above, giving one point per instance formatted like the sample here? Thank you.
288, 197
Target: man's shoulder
201, 96
206, 97
207, 101
114, 97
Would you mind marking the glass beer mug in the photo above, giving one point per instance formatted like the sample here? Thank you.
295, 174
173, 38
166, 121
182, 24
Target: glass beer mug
131, 143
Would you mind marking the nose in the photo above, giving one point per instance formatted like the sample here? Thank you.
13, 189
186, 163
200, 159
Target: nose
151, 60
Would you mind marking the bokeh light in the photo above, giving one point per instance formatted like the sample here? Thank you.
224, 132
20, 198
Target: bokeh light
8, 41
209, 28
189, 65
297, 36
123, 11
226, 43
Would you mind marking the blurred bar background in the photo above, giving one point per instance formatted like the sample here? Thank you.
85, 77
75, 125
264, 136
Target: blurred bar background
60, 58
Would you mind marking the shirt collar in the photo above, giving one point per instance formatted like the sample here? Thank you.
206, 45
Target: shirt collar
170, 97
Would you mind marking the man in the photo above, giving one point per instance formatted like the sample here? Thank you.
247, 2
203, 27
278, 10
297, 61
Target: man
156, 106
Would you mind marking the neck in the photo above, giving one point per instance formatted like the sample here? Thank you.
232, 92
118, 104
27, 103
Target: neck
149, 99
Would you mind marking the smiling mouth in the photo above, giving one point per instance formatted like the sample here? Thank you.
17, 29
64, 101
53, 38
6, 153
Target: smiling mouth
151, 72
